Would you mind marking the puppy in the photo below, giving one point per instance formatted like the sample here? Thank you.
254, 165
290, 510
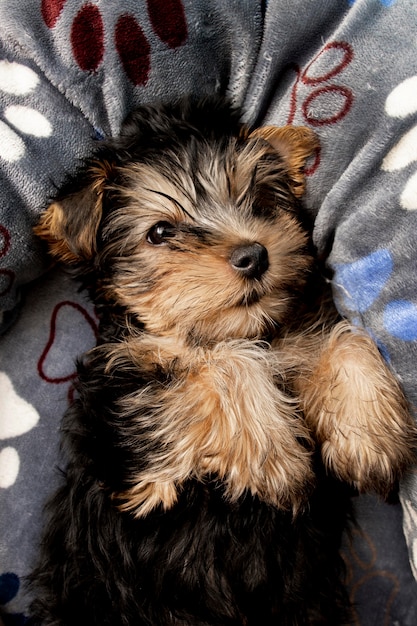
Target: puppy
225, 403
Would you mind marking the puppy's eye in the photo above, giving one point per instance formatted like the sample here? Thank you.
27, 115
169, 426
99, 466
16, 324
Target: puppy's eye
160, 232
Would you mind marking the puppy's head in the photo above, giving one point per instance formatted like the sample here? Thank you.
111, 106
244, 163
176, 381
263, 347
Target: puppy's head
190, 221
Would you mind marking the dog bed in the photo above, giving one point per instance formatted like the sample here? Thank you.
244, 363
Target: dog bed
70, 70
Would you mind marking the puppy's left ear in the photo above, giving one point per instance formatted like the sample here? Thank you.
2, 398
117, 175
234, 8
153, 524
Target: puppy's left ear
294, 144
70, 224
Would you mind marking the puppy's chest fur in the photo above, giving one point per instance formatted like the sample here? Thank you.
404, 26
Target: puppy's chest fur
200, 412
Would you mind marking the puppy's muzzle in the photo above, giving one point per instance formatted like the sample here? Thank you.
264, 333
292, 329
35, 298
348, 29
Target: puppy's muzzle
251, 260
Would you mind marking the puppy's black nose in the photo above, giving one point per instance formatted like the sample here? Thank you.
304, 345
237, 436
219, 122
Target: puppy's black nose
251, 260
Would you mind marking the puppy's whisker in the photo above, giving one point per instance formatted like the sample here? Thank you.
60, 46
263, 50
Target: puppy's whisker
173, 200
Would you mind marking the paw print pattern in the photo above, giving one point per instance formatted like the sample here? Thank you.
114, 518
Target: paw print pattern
400, 104
325, 103
56, 365
363, 576
19, 81
385, 3
52, 367
17, 418
19, 121
321, 101
364, 279
9, 588
359, 284
88, 37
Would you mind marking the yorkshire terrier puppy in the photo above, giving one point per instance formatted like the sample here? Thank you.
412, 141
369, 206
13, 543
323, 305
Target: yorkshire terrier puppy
225, 403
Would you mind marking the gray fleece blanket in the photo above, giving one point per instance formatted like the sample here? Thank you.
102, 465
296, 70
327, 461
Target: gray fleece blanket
70, 70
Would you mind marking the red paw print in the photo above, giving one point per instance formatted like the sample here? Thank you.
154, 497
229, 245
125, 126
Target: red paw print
57, 362
363, 576
334, 57
88, 38
323, 103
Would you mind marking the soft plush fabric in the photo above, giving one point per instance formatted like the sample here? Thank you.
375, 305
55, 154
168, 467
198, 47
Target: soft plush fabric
70, 70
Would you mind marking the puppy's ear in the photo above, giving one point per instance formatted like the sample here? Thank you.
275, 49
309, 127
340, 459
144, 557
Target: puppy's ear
295, 144
70, 224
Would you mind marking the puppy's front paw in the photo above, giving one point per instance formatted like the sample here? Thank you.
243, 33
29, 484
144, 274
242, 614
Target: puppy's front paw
358, 413
280, 474
284, 480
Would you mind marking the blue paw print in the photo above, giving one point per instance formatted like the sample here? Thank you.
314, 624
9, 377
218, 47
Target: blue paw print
400, 319
360, 284
362, 281
385, 3
9, 587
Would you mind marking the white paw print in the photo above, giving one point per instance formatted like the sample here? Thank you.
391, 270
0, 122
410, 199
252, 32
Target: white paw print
17, 417
401, 103
19, 80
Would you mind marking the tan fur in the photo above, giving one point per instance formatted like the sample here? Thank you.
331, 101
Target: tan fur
357, 410
72, 240
295, 144
225, 416
213, 288
235, 407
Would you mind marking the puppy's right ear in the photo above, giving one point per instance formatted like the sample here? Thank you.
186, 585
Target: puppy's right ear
295, 144
70, 224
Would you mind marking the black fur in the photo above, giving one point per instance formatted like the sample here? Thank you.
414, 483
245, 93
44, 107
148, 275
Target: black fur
205, 562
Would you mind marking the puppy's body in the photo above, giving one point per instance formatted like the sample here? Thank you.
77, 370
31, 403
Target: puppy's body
219, 369
203, 561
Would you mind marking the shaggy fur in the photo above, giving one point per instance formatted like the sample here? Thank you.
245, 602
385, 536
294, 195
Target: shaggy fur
194, 494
